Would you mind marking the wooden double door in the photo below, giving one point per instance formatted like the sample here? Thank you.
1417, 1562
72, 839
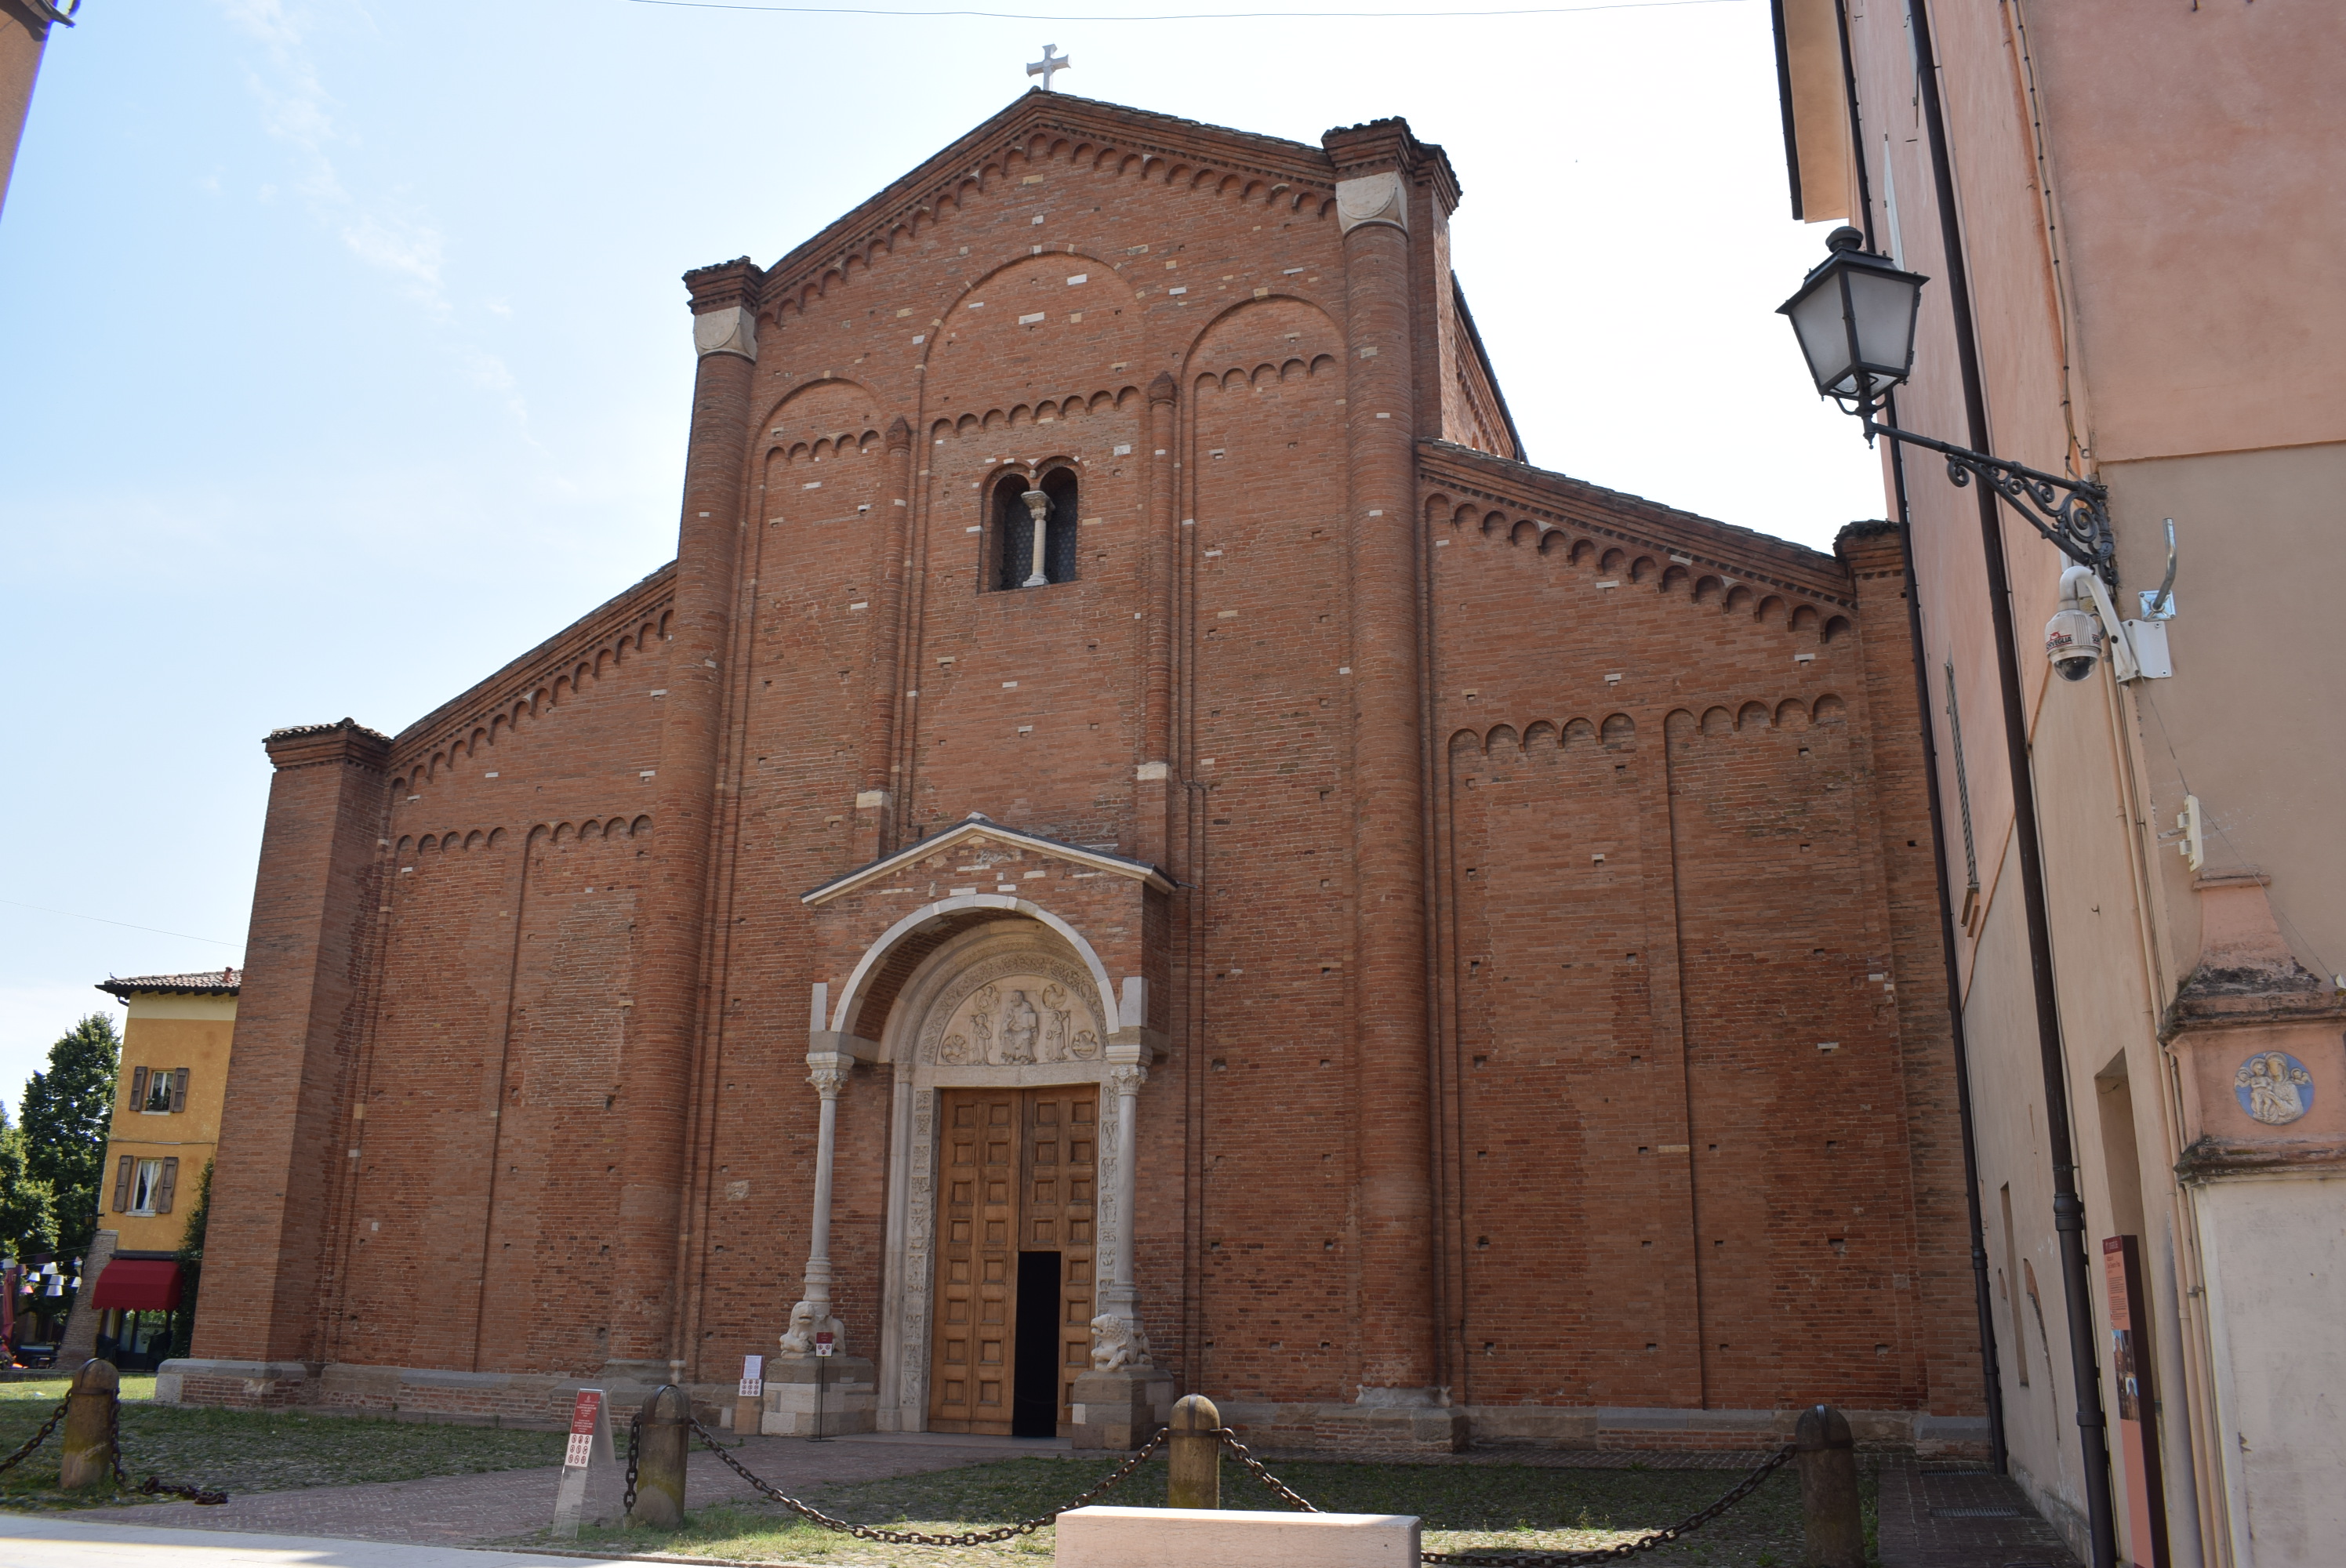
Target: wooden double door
1017, 1262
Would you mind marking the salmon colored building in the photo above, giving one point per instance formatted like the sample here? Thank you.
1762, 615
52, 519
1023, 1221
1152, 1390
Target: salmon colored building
1139, 846
2131, 223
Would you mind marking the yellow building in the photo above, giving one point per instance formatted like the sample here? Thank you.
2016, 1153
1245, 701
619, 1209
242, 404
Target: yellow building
166, 1117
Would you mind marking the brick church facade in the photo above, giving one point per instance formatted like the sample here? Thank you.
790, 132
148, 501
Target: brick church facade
1138, 847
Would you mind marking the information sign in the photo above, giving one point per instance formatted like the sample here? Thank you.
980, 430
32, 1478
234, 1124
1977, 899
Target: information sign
590, 1436
822, 1344
753, 1377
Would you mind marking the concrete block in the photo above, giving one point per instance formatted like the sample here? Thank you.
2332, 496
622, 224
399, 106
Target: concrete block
1118, 1411
847, 1392
1234, 1537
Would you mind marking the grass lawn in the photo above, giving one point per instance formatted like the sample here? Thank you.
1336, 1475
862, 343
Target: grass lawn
1464, 1507
250, 1450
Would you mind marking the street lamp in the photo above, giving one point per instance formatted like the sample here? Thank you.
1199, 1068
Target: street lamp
1854, 315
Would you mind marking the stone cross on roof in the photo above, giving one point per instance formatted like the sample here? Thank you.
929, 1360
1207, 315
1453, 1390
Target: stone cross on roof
1046, 64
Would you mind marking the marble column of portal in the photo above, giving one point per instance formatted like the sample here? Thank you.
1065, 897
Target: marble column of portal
1124, 1397
1119, 1298
812, 1315
808, 1393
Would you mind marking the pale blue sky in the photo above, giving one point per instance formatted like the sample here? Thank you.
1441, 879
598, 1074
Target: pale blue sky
345, 357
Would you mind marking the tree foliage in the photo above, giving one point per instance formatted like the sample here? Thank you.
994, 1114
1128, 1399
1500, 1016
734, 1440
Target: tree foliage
28, 1218
66, 1113
192, 1265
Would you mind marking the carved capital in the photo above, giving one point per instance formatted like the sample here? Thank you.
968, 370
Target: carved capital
829, 1078
1379, 198
730, 330
1127, 1080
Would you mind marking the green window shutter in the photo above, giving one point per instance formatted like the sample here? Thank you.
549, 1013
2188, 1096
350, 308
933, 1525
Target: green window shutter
138, 1088
122, 1185
178, 1088
167, 1185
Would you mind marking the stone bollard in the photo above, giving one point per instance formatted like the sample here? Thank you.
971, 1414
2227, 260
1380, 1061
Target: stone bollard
661, 1444
1194, 1454
1830, 1520
91, 1412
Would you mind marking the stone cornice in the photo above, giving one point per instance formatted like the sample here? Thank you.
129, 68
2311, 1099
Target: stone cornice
2213, 1158
978, 826
316, 745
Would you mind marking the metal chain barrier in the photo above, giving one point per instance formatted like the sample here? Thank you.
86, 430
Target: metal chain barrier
1693, 1521
913, 1537
635, 1433
153, 1486
38, 1438
1254, 1468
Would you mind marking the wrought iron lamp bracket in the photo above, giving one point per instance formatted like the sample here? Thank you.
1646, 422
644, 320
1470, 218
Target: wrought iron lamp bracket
2073, 514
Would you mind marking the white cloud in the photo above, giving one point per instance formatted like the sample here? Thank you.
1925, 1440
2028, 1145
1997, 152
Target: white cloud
297, 109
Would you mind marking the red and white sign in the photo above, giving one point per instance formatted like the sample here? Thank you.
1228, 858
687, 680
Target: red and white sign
584, 1416
753, 1377
822, 1344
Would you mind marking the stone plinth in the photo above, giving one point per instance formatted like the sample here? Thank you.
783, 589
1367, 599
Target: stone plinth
848, 1392
1234, 1537
1119, 1409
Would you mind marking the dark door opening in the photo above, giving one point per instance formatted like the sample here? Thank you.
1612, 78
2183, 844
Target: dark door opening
1034, 1371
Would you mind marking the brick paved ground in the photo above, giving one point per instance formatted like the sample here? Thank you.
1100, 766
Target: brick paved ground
459, 1509
1917, 1532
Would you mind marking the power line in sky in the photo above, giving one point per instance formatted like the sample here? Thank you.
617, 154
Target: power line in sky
1186, 15
101, 920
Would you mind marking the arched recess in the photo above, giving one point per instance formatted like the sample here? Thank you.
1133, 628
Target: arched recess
867, 984
1064, 308
1002, 997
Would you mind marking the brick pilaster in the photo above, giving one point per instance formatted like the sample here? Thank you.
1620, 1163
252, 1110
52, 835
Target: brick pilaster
656, 1065
1377, 194
299, 1018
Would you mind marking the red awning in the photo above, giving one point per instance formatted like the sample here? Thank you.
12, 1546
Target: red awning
138, 1284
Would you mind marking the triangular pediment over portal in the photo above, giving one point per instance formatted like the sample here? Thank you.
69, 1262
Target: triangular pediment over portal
974, 832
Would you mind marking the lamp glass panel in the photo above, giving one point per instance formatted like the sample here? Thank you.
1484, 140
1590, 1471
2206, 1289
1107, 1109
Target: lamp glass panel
1824, 336
1882, 304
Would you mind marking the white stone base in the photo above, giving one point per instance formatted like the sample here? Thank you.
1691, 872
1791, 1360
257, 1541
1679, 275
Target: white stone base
847, 1392
1234, 1537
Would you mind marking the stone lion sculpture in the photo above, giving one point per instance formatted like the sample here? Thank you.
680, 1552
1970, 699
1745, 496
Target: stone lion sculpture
799, 1339
1117, 1344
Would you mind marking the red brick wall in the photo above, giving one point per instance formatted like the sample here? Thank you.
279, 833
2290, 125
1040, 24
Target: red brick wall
1441, 1090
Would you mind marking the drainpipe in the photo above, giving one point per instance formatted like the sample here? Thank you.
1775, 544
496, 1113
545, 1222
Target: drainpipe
2068, 1211
1991, 1372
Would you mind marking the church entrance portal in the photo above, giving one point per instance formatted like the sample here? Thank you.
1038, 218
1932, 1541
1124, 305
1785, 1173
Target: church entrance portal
1016, 1262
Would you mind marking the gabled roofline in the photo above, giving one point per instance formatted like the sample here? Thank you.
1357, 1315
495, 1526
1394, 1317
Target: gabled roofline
976, 825
507, 684
1490, 375
1141, 130
1751, 554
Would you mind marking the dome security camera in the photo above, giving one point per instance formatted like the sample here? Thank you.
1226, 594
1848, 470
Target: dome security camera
2075, 637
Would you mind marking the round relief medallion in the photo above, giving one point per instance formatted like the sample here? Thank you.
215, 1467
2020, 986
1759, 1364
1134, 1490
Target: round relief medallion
2274, 1087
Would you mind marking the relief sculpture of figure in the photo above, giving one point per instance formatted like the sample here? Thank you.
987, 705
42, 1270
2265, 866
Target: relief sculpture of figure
1055, 1023
980, 1025
1019, 1022
2274, 1088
